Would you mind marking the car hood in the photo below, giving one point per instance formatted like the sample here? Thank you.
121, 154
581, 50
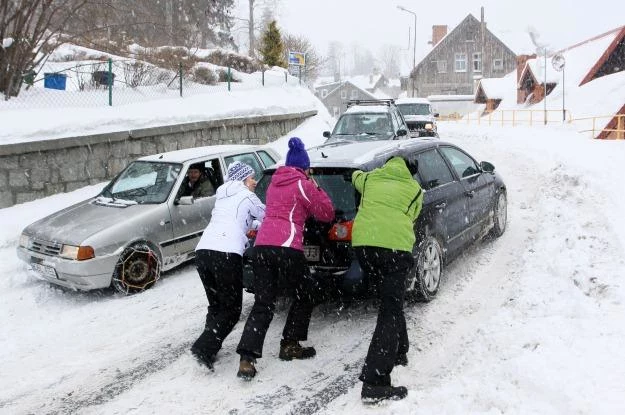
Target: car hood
75, 224
419, 118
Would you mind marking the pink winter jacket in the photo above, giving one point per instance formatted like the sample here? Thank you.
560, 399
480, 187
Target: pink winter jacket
291, 199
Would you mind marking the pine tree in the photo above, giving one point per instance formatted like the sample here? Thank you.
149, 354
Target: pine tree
272, 47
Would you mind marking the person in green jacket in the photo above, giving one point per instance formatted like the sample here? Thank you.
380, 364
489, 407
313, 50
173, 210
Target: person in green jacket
383, 238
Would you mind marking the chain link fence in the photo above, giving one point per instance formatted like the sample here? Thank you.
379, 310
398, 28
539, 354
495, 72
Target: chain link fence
88, 84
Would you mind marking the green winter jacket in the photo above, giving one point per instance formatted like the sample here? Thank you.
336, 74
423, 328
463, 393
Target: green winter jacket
390, 204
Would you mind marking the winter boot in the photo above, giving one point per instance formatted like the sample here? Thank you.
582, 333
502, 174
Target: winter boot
203, 358
247, 371
375, 393
401, 359
291, 349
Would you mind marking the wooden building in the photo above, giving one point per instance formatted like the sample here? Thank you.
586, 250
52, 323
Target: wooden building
461, 58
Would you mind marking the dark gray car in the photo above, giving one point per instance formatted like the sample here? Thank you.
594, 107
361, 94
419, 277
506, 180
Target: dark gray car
464, 200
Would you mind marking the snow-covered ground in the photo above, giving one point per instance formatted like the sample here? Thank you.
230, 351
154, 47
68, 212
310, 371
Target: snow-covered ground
530, 323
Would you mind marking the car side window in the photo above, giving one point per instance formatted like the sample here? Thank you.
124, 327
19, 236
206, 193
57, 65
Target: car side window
266, 158
461, 162
432, 169
247, 158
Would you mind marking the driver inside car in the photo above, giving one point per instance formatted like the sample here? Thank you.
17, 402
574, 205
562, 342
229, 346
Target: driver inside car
196, 183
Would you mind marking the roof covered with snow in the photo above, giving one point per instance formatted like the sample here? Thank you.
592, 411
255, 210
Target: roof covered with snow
187, 154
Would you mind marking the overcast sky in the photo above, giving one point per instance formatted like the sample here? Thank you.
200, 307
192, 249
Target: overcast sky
375, 23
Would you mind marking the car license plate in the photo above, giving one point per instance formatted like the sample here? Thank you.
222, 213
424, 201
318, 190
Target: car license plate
311, 253
44, 270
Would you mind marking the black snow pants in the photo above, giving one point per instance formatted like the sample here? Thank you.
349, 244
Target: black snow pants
274, 269
387, 269
222, 276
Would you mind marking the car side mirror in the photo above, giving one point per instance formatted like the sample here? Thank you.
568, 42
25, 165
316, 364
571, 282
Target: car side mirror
185, 200
326, 134
487, 167
436, 115
401, 132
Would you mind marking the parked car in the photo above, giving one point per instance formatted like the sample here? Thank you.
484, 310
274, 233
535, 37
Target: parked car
137, 227
463, 201
420, 118
367, 120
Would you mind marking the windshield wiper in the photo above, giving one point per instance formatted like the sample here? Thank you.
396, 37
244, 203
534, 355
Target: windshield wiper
107, 190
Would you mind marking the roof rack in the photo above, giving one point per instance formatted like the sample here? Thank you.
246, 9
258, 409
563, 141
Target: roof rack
387, 102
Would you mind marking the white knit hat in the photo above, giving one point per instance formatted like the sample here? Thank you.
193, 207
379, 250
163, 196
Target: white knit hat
239, 171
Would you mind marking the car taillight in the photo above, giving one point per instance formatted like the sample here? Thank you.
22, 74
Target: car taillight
251, 233
341, 231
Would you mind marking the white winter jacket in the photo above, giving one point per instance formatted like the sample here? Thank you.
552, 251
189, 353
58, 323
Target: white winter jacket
236, 209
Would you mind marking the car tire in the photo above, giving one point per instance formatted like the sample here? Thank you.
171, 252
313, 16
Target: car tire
500, 215
426, 274
137, 269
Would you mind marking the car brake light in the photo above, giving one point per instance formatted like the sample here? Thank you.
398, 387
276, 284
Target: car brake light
251, 233
341, 231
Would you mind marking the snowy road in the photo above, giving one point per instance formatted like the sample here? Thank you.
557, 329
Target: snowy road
528, 323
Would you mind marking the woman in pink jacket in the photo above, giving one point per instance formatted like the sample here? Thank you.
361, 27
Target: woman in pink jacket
278, 256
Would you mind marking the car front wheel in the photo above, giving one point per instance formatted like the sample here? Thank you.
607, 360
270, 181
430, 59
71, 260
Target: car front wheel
426, 275
137, 269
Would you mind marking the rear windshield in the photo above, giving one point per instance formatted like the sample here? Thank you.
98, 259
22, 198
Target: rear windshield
337, 184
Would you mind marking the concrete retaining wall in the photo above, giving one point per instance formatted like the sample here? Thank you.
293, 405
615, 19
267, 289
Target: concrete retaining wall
32, 170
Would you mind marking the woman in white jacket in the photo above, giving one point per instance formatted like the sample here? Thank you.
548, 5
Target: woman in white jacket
219, 257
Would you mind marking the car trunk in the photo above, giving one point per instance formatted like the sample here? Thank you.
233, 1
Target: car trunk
327, 245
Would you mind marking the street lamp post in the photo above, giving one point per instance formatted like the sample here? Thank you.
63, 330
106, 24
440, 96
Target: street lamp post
414, 40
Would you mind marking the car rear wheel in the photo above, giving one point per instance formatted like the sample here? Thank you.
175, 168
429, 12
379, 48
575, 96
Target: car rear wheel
426, 275
500, 215
137, 269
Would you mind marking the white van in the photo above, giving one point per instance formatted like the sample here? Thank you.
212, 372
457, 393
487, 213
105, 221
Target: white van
419, 117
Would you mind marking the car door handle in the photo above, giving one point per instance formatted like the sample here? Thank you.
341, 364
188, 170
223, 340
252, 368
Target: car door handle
470, 193
441, 205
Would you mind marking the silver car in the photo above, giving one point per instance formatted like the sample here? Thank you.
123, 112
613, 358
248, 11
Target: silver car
138, 226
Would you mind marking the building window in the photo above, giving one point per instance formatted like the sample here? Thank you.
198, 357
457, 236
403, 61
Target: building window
498, 64
461, 62
354, 94
477, 62
336, 112
343, 94
324, 93
441, 66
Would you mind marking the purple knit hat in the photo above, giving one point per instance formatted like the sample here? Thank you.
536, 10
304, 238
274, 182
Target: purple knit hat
297, 155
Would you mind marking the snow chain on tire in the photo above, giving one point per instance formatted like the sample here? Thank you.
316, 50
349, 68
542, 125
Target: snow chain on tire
138, 268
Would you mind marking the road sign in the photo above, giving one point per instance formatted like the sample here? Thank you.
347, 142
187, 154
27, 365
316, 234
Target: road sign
297, 58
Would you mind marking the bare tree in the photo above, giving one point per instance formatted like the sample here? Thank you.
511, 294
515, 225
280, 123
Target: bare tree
255, 27
250, 28
336, 59
389, 56
28, 29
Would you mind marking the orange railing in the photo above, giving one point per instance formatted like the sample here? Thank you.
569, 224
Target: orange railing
613, 133
514, 117
541, 117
